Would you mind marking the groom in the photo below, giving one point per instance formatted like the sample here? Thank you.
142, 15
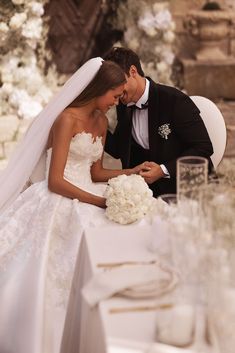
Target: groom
156, 123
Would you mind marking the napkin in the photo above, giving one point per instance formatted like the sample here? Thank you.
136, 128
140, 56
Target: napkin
130, 280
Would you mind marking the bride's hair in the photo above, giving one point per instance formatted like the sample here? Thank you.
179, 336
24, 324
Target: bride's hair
109, 76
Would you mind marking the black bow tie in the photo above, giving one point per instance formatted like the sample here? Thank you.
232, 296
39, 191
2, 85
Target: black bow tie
143, 106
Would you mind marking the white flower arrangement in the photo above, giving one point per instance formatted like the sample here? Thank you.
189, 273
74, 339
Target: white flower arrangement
24, 88
128, 199
148, 29
25, 85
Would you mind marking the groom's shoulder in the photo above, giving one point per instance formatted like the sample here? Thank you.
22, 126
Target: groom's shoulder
166, 90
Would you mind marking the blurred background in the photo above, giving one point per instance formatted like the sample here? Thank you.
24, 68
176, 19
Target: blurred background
188, 44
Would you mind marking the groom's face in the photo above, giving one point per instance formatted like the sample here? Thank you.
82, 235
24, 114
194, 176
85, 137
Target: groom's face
130, 87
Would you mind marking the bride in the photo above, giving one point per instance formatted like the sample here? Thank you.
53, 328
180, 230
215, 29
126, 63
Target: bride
41, 228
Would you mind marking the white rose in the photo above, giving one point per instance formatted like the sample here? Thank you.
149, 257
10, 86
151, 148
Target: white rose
151, 32
128, 198
18, 2
4, 27
17, 20
169, 37
32, 29
29, 109
162, 66
18, 96
134, 44
163, 19
36, 8
168, 57
6, 89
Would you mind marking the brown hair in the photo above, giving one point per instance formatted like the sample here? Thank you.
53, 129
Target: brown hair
125, 57
109, 76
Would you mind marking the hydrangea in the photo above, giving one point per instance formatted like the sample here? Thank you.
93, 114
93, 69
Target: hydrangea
4, 27
128, 199
148, 29
17, 20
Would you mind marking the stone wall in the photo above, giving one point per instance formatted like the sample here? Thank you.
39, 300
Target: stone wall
185, 44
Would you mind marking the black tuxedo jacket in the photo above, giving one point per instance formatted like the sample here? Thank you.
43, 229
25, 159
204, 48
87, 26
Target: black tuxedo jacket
188, 135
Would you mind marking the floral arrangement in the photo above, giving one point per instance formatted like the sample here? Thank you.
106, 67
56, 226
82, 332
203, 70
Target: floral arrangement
148, 29
25, 87
128, 199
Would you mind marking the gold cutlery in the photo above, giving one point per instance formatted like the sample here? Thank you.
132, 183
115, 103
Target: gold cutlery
117, 264
140, 308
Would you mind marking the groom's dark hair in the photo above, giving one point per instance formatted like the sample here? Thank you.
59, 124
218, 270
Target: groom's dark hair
125, 57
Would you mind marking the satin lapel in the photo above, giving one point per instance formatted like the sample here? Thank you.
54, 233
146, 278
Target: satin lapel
153, 120
126, 118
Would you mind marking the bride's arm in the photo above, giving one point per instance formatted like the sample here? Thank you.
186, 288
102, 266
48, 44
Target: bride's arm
98, 173
61, 136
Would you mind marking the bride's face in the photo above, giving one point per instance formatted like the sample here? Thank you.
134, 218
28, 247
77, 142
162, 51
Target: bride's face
110, 98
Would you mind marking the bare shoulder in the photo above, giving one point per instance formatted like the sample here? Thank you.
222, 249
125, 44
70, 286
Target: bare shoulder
63, 127
64, 121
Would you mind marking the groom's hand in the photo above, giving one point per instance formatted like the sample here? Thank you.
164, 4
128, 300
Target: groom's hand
154, 173
141, 167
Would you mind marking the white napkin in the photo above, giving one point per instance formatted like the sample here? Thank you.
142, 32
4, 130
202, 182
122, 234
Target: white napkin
106, 284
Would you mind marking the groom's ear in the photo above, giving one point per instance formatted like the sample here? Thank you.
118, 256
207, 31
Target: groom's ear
133, 71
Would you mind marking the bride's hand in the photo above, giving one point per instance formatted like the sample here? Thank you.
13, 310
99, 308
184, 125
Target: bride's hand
141, 167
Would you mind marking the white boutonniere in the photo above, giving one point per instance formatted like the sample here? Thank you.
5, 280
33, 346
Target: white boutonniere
164, 130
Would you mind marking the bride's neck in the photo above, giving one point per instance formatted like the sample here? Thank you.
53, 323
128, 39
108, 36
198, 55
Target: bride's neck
86, 111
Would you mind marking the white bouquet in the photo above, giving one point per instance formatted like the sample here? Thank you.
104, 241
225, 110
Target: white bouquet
128, 198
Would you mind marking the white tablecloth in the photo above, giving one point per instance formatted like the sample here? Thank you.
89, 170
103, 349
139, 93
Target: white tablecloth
97, 330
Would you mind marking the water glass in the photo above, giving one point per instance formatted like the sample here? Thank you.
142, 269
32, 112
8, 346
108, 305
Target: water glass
169, 198
192, 175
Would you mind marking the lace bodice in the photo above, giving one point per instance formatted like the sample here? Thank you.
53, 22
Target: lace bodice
84, 150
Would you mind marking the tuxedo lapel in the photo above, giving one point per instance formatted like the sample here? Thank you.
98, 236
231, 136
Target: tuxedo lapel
153, 120
125, 114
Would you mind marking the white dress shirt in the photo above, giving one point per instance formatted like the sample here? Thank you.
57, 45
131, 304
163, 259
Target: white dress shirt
140, 123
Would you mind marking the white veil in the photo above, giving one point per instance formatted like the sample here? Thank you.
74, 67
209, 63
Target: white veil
30, 153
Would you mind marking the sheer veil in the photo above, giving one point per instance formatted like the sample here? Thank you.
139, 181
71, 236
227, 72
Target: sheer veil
28, 159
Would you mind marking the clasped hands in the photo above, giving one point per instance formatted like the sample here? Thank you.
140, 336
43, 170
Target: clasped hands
150, 171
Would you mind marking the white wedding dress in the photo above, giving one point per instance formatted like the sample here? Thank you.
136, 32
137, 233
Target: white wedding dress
40, 234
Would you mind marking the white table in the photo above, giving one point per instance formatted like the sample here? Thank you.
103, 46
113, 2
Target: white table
97, 330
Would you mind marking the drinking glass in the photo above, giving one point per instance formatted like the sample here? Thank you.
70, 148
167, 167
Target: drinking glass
169, 198
192, 175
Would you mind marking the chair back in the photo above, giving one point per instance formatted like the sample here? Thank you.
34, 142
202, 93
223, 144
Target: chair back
215, 125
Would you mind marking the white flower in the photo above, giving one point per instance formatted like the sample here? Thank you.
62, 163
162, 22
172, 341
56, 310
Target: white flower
36, 8
29, 109
18, 2
162, 67
163, 19
32, 29
18, 96
147, 24
164, 130
134, 44
169, 37
6, 89
168, 56
128, 199
17, 20
4, 27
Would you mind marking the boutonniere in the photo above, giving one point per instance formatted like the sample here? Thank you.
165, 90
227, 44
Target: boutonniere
164, 130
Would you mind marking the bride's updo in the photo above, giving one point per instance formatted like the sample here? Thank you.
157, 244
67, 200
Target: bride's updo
109, 76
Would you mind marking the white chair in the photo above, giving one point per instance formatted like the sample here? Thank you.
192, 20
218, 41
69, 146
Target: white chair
214, 122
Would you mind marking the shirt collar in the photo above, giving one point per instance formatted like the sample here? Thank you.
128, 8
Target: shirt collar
144, 98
